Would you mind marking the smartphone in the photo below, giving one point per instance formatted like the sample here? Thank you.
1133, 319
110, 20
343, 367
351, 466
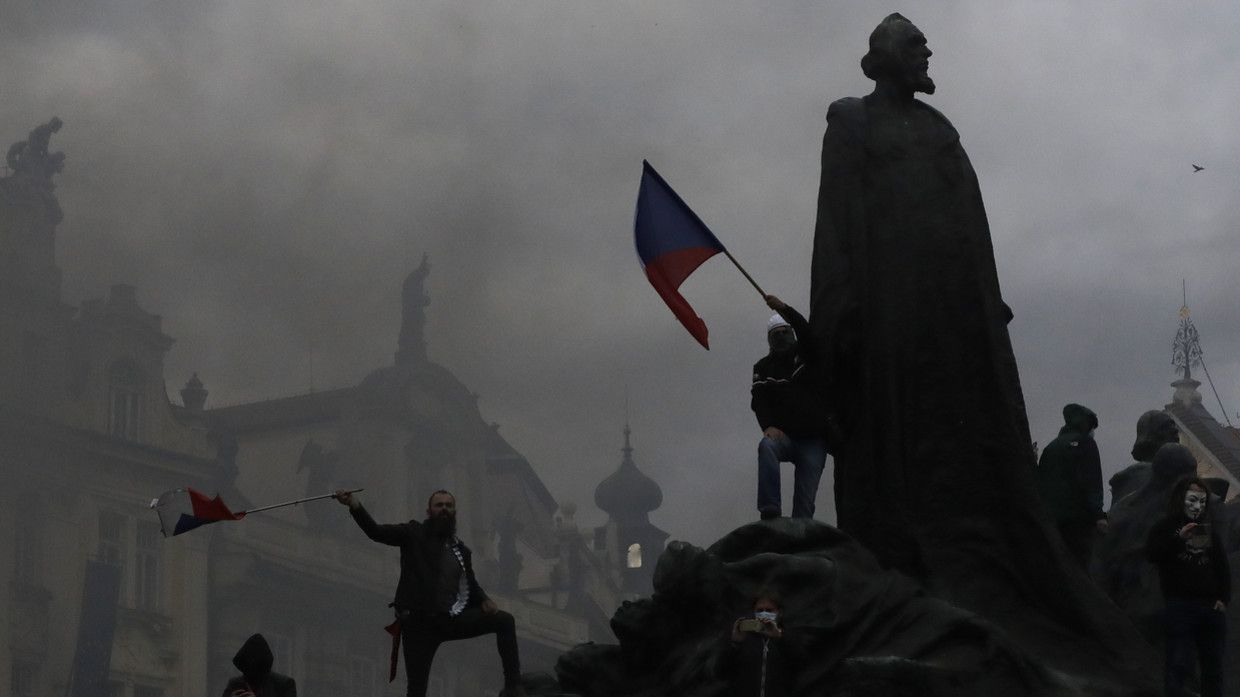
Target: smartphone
750, 625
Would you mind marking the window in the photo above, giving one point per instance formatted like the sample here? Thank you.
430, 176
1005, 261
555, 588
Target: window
361, 677
146, 567
635, 556
27, 561
125, 400
112, 529
33, 361
21, 680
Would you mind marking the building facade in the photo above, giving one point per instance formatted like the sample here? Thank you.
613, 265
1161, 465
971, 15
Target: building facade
97, 602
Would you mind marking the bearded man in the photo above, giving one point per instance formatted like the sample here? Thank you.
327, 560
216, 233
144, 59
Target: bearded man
935, 471
438, 598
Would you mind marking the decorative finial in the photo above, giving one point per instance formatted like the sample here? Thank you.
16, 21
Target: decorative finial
1186, 348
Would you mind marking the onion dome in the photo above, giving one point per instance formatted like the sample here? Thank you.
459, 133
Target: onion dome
627, 491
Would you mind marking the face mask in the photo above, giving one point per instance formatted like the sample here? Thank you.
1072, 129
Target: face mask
765, 615
1194, 504
783, 341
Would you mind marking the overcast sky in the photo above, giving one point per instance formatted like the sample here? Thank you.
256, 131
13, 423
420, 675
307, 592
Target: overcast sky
266, 173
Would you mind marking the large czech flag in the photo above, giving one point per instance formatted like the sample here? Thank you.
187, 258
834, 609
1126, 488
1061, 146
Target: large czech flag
671, 243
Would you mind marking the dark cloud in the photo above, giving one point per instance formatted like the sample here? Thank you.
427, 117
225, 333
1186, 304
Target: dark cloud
267, 173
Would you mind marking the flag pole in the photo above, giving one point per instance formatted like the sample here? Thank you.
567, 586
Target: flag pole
294, 503
746, 273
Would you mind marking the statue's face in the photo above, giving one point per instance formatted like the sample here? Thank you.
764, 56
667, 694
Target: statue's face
911, 58
1168, 432
1194, 502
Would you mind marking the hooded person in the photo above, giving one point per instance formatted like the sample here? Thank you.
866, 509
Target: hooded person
1069, 481
1121, 567
1154, 429
791, 413
1193, 572
254, 660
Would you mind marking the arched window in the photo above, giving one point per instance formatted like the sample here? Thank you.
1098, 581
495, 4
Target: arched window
125, 383
635, 556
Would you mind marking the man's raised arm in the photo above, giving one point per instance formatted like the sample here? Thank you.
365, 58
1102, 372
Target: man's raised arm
392, 534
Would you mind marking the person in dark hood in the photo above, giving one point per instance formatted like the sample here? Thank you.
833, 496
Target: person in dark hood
1121, 567
1069, 479
1196, 584
438, 598
790, 412
254, 660
1154, 429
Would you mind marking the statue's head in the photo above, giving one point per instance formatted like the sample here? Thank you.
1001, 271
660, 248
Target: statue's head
1154, 428
899, 54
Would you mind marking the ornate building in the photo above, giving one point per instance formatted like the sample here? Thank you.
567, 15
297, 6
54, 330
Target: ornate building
96, 602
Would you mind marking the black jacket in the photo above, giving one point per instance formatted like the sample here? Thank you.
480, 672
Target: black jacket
420, 553
786, 391
254, 660
1185, 573
758, 666
1069, 473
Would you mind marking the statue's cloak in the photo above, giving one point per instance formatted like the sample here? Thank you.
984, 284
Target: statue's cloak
935, 472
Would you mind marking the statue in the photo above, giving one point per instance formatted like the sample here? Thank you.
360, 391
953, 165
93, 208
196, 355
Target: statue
1154, 428
31, 166
31, 157
414, 300
861, 630
935, 472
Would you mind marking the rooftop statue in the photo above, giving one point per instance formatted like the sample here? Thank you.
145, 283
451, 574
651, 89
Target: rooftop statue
935, 472
31, 157
31, 166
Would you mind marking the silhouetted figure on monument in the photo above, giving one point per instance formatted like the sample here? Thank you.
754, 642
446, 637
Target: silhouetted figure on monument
255, 660
935, 472
1154, 429
1069, 479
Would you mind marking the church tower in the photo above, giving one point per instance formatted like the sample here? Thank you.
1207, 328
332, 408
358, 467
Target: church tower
628, 541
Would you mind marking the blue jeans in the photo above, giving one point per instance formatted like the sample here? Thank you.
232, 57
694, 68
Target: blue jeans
807, 455
1194, 625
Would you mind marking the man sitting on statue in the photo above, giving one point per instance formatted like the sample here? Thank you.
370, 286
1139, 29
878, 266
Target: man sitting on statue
791, 413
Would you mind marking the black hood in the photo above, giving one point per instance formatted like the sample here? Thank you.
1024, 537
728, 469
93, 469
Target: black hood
254, 659
1078, 419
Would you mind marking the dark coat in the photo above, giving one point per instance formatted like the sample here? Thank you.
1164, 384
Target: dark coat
1069, 474
420, 554
1184, 573
254, 660
785, 391
746, 674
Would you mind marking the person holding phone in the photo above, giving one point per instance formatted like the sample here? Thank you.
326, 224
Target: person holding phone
257, 679
1196, 583
758, 660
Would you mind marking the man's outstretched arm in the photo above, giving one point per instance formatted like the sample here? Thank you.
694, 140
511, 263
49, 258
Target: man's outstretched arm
394, 535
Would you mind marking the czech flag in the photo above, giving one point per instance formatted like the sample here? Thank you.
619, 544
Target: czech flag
671, 243
182, 510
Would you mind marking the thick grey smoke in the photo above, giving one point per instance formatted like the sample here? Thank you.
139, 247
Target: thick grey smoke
267, 173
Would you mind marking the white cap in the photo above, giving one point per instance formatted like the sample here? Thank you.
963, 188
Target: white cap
775, 321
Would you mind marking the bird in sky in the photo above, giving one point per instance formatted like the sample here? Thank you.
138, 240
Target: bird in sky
1197, 168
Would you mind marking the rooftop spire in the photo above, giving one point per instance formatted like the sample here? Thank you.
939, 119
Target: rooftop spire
1186, 353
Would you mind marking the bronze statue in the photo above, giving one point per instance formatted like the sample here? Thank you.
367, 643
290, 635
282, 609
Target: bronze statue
412, 346
935, 474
